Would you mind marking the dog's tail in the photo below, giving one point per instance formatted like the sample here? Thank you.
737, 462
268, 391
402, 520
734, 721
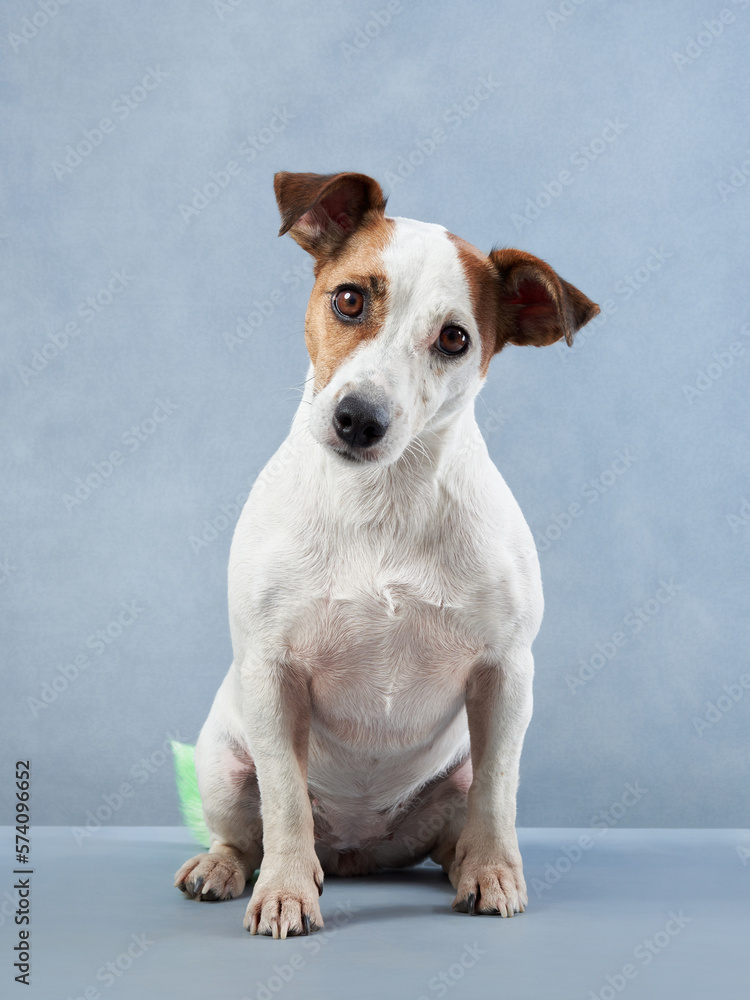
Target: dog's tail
187, 790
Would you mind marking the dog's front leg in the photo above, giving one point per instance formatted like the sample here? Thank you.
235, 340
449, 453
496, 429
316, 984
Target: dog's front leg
487, 872
276, 711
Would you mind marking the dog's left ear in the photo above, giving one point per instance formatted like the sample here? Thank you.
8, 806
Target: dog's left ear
536, 306
319, 211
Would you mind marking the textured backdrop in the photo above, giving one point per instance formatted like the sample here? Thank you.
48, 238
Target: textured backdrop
153, 352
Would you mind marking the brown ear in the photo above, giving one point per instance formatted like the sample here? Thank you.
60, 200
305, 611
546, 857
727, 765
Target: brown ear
536, 306
320, 210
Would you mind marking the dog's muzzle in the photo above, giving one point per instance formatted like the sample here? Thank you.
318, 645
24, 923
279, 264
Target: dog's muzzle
359, 421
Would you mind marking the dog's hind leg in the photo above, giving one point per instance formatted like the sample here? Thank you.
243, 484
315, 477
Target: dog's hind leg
432, 824
451, 808
231, 806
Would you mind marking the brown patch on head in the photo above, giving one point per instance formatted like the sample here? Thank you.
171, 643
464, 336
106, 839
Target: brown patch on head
330, 340
518, 299
482, 280
340, 220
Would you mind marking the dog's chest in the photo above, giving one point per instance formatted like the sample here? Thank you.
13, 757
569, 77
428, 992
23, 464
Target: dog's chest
388, 640
385, 599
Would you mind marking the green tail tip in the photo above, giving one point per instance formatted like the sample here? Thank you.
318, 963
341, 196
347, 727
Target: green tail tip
187, 790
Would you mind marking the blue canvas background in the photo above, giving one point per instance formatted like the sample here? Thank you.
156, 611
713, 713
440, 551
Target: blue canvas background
152, 346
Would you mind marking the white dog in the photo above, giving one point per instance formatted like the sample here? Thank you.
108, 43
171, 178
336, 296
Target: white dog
384, 588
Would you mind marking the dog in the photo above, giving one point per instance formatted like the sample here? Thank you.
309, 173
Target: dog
384, 587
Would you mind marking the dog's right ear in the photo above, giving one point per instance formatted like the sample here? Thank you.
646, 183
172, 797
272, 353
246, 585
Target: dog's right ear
319, 211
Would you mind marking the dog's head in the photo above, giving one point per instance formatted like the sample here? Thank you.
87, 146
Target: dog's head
404, 317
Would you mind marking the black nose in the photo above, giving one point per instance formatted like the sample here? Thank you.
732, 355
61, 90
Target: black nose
360, 422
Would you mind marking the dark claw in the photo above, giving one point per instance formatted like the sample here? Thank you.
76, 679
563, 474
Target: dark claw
182, 887
320, 888
210, 897
472, 901
194, 888
305, 924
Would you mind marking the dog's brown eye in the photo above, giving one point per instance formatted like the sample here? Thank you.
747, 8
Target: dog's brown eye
349, 303
452, 340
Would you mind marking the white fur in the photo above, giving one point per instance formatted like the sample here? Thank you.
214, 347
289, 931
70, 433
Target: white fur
383, 589
427, 289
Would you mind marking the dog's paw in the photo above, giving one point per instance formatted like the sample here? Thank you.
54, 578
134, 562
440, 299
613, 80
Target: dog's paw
490, 884
211, 877
285, 902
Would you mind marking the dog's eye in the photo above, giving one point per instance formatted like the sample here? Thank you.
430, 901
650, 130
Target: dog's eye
452, 340
349, 303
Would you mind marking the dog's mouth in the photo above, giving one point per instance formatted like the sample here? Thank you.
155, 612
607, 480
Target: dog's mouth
355, 456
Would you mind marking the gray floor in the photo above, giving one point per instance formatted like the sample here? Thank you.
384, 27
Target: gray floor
663, 913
